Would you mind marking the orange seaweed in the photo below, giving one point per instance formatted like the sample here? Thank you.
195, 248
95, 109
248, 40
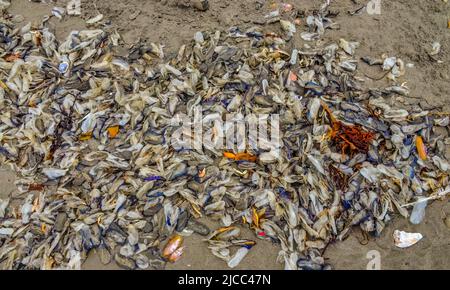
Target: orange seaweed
348, 138
36, 187
240, 156
229, 155
339, 178
245, 156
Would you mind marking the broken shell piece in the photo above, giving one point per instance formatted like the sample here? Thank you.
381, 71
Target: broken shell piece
372, 61
348, 46
238, 257
201, 5
435, 48
54, 173
95, 19
309, 36
348, 65
406, 240
198, 37
403, 91
288, 27
58, 12
389, 63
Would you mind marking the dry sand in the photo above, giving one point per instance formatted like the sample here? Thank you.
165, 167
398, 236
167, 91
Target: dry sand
404, 28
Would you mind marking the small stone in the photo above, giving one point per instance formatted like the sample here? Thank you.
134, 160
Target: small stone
60, 221
182, 222
148, 228
152, 211
201, 5
126, 155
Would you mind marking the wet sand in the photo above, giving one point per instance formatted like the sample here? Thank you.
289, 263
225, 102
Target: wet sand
405, 29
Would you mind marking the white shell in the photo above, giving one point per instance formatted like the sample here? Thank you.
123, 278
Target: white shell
406, 240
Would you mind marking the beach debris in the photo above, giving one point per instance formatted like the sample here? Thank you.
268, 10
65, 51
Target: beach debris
418, 212
309, 265
124, 262
198, 227
372, 61
405, 240
113, 131
358, 11
348, 138
286, 7
441, 193
58, 12
240, 156
95, 19
238, 257
347, 46
103, 165
288, 27
389, 63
